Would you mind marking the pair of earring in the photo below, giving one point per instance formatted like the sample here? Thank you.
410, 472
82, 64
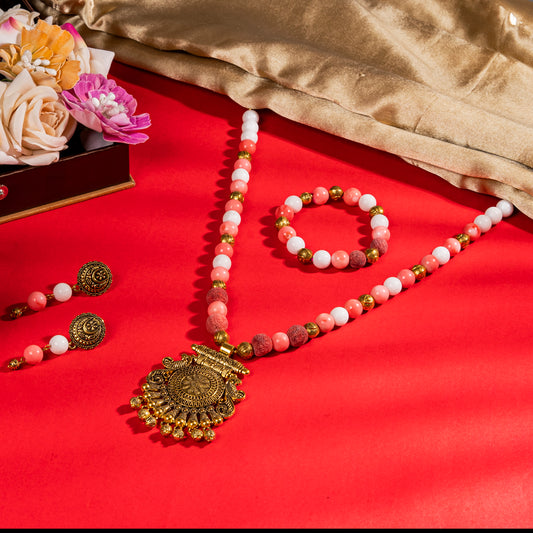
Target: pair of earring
86, 331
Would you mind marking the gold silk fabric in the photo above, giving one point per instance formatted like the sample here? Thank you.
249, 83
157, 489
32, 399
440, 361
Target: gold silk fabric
445, 84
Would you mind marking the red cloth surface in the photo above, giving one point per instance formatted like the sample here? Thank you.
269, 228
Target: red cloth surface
417, 414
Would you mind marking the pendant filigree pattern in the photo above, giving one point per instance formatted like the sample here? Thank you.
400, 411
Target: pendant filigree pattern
191, 395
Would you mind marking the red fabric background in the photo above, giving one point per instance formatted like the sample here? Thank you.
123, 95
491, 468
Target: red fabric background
417, 414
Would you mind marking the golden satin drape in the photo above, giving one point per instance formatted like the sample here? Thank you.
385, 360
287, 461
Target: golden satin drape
445, 84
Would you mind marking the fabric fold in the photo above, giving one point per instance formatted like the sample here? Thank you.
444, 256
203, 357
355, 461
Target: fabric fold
444, 85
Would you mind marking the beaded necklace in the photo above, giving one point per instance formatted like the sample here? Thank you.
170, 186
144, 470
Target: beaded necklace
191, 395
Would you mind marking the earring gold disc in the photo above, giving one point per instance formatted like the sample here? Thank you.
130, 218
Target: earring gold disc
94, 278
87, 331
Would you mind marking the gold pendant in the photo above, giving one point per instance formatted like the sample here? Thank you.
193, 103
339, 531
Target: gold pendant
193, 393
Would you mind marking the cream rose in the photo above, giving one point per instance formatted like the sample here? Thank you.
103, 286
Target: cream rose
34, 123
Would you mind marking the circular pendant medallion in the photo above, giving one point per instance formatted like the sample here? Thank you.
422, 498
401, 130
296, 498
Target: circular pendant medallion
87, 331
94, 278
196, 386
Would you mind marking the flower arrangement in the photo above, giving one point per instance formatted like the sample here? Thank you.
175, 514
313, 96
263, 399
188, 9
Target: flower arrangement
52, 83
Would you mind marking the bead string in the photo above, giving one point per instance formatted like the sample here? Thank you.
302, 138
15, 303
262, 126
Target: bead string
340, 259
297, 335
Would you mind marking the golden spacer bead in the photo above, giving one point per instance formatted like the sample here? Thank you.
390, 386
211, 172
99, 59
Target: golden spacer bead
372, 255
243, 154
16, 312
245, 350
306, 198
376, 210
226, 237
335, 193
305, 255
312, 329
464, 239
236, 195
367, 301
221, 337
281, 222
219, 284
419, 271
227, 349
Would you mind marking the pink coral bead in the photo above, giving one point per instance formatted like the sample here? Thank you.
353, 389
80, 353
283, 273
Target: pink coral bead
380, 293
285, 211
320, 195
381, 232
229, 227
430, 262
453, 245
354, 307
220, 273
239, 186
286, 233
224, 248
37, 301
351, 196
340, 259
247, 145
472, 230
407, 278
243, 163
280, 341
217, 307
325, 322
33, 354
234, 205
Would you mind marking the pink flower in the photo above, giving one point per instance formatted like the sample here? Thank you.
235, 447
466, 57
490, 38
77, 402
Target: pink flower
101, 105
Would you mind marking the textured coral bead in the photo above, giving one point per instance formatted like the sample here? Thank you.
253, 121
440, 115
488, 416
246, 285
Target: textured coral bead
297, 335
357, 259
216, 322
380, 244
216, 294
37, 301
262, 344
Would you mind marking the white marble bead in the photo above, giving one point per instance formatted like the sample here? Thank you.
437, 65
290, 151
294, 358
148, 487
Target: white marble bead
483, 222
62, 292
442, 254
240, 174
295, 244
494, 214
58, 344
505, 207
250, 114
378, 220
222, 260
322, 259
394, 285
250, 125
294, 202
250, 135
232, 216
340, 315
367, 202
